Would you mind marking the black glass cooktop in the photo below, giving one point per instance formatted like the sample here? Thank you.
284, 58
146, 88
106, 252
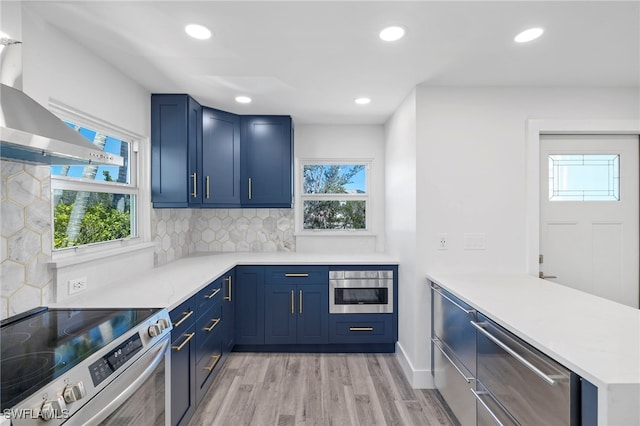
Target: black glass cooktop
43, 345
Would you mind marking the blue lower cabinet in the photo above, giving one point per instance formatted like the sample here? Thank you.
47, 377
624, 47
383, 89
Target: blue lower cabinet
183, 360
209, 349
248, 292
296, 314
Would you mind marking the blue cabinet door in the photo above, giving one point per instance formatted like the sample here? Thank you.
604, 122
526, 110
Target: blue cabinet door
183, 360
280, 314
176, 132
266, 165
249, 297
220, 158
313, 314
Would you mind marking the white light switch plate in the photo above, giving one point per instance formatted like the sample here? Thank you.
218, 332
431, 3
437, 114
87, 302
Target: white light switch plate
475, 242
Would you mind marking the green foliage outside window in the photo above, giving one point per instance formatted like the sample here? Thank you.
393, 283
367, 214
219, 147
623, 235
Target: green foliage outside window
336, 213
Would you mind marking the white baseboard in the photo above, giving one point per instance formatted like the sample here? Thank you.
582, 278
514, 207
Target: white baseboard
418, 379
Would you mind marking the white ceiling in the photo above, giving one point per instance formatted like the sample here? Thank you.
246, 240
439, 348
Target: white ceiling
312, 59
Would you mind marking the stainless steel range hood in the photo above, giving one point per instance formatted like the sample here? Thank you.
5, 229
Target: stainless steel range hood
29, 133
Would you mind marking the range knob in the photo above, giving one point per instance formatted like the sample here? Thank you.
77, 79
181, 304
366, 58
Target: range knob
154, 330
74, 392
53, 409
163, 323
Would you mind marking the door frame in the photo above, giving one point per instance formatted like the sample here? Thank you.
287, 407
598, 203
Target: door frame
534, 129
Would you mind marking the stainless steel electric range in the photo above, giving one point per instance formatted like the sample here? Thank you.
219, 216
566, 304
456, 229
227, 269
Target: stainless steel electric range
85, 366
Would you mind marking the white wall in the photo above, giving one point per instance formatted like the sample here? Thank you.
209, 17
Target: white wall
471, 178
344, 142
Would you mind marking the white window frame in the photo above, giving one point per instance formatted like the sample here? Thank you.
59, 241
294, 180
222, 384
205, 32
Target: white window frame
300, 197
137, 186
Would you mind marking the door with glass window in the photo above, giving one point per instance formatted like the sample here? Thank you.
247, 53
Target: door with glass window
589, 216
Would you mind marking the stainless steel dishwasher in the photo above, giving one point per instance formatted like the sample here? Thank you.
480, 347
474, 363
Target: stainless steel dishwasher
517, 384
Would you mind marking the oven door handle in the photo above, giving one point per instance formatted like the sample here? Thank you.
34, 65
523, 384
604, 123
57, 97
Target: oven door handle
125, 394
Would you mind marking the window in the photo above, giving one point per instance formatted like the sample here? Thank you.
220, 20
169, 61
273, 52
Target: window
584, 177
334, 196
95, 204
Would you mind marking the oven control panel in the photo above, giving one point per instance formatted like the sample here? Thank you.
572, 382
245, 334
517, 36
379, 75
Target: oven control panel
109, 363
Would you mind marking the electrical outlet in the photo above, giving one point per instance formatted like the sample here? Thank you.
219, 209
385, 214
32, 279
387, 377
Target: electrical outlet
442, 242
77, 285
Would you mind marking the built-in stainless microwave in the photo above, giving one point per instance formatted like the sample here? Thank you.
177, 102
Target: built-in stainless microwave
358, 292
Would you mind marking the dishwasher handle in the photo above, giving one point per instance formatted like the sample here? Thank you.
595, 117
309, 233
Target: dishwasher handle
466, 311
550, 380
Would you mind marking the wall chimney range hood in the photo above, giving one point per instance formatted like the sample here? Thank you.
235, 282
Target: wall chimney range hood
29, 133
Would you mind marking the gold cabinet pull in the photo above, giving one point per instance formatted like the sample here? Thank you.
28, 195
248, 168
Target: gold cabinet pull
206, 179
360, 328
296, 275
249, 188
215, 322
210, 296
183, 319
194, 176
188, 337
216, 358
292, 311
300, 301
228, 280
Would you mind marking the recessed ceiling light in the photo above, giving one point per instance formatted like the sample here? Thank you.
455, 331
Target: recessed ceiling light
198, 31
392, 33
528, 35
362, 101
243, 99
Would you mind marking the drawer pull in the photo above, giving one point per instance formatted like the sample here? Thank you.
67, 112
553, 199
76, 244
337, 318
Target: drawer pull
183, 319
215, 322
485, 406
296, 275
360, 328
228, 280
210, 296
517, 356
188, 337
466, 311
436, 343
216, 358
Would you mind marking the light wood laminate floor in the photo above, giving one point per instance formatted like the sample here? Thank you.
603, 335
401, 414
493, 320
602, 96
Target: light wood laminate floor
316, 389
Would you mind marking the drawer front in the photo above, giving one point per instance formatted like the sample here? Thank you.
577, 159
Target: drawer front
532, 387
209, 295
364, 328
454, 384
208, 365
297, 274
208, 327
183, 316
452, 325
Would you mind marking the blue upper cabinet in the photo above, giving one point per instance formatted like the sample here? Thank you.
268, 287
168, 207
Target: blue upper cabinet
176, 133
266, 165
220, 158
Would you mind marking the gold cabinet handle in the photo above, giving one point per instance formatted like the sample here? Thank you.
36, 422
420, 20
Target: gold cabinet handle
215, 322
292, 311
360, 328
228, 280
183, 319
249, 188
296, 275
300, 297
194, 176
210, 296
188, 337
216, 358
206, 179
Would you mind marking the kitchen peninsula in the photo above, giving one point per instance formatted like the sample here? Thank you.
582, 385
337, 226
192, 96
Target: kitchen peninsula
595, 338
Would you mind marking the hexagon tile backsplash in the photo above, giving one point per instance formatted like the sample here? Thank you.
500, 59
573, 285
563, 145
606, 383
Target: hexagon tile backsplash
179, 232
25, 219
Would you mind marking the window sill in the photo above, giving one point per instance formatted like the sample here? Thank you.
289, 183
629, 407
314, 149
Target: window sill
323, 233
81, 255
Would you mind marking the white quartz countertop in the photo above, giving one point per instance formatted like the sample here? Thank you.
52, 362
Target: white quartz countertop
596, 338
169, 285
